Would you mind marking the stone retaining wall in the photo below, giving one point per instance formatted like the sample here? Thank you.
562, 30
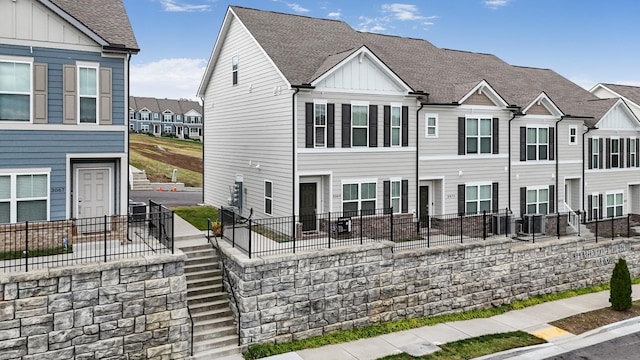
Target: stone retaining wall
296, 296
129, 309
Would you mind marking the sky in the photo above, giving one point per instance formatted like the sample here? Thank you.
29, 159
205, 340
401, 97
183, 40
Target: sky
586, 41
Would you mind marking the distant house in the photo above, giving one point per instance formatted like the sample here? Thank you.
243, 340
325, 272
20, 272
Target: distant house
181, 118
309, 116
64, 75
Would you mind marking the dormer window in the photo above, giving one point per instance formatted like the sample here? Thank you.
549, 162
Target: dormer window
234, 69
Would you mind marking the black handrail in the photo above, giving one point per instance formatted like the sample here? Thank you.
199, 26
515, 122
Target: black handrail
224, 271
191, 319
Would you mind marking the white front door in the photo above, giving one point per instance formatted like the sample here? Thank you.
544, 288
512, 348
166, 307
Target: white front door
93, 195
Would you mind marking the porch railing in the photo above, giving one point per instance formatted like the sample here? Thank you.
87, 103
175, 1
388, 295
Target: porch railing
35, 245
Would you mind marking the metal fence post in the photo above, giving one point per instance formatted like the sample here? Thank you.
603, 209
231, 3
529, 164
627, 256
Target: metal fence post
233, 229
579, 222
533, 229
428, 230
249, 238
612, 228
596, 230
558, 224
173, 232
391, 222
360, 227
484, 224
460, 215
26, 246
329, 229
628, 225
295, 232
507, 222
105, 238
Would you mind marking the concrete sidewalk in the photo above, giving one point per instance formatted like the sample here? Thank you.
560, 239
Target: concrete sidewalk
534, 320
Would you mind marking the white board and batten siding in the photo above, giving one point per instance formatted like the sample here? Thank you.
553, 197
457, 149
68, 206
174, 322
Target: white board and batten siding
248, 126
28, 22
360, 74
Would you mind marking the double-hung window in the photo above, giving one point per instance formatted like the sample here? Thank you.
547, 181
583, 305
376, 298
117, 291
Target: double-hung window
166, 117
478, 135
615, 152
359, 196
573, 135
167, 128
431, 125
320, 124
359, 125
88, 94
595, 153
633, 152
144, 116
132, 115
614, 204
538, 200
396, 196
144, 127
234, 69
15, 91
24, 197
268, 197
477, 198
595, 206
396, 125
537, 143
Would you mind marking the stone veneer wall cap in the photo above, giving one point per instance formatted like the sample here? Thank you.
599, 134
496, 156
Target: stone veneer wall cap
69, 270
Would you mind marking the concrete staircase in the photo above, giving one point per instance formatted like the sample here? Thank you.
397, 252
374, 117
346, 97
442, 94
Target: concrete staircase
214, 331
139, 179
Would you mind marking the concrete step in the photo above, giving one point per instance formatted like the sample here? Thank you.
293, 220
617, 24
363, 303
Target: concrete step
204, 298
214, 342
196, 276
188, 249
211, 314
202, 252
196, 268
200, 260
210, 281
204, 290
209, 353
198, 308
202, 330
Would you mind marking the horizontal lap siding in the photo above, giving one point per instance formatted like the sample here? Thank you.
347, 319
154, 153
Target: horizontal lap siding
49, 149
247, 122
55, 59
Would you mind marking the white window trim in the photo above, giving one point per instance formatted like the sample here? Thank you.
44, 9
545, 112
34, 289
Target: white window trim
366, 105
264, 191
359, 182
22, 60
538, 143
633, 155
142, 116
165, 127
595, 205
611, 153
13, 199
316, 126
392, 127
144, 127
132, 126
607, 206
595, 151
235, 64
399, 197
477, 201
426, 126
537, 202
88, 65
575, 142
478, 137
164, 117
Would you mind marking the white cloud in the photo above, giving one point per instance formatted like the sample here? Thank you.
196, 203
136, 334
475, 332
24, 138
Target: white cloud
334, 14
167, 78
177, 6
293, 6
495, 4
402, 12
394, 12
368, 24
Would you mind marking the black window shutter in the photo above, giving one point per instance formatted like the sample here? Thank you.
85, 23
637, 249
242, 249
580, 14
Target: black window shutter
628, 152
622, 154
496, 133
373, 125
523, 201
331, 125
308, 124
590, 152
405, 196
523, 143
346, 125
552, 143
461, 198
601, 154
608, 160
637, 152
600, 203
386, 197
405, 126
589, 207
461, 136
387, 125
494, 197
552, 199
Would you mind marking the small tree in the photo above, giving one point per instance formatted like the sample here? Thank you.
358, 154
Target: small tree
620, 296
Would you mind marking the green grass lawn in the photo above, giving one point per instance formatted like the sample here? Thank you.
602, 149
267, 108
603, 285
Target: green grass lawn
197, 215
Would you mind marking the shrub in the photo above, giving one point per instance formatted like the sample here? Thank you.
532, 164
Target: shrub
620, 296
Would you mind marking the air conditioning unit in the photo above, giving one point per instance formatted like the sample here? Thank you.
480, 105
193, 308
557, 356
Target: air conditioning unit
501, 224
533, 223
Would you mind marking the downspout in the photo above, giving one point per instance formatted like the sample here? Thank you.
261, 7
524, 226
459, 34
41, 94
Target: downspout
583, 172
126, 116
418, 159
556, 154
516, 113
201, 99
293, 155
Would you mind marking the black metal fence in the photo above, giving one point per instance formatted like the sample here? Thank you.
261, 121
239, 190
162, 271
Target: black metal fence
35, 245
613, 227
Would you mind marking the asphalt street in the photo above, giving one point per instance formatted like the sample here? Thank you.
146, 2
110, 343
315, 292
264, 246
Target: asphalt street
167, 198
622, 348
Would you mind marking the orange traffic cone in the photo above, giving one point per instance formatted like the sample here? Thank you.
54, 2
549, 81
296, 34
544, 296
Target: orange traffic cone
174, 188
160, 189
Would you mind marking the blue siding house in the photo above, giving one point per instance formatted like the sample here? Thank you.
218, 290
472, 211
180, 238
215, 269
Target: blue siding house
64, 76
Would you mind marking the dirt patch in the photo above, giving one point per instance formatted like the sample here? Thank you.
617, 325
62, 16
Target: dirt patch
178, 160
584, 322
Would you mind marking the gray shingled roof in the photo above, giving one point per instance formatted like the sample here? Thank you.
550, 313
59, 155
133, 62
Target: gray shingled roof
107, 18
177, 106
630, 92
304, 48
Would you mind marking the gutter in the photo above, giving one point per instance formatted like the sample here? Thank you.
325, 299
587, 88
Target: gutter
557, 161
418, 156
583, 172
516, 112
